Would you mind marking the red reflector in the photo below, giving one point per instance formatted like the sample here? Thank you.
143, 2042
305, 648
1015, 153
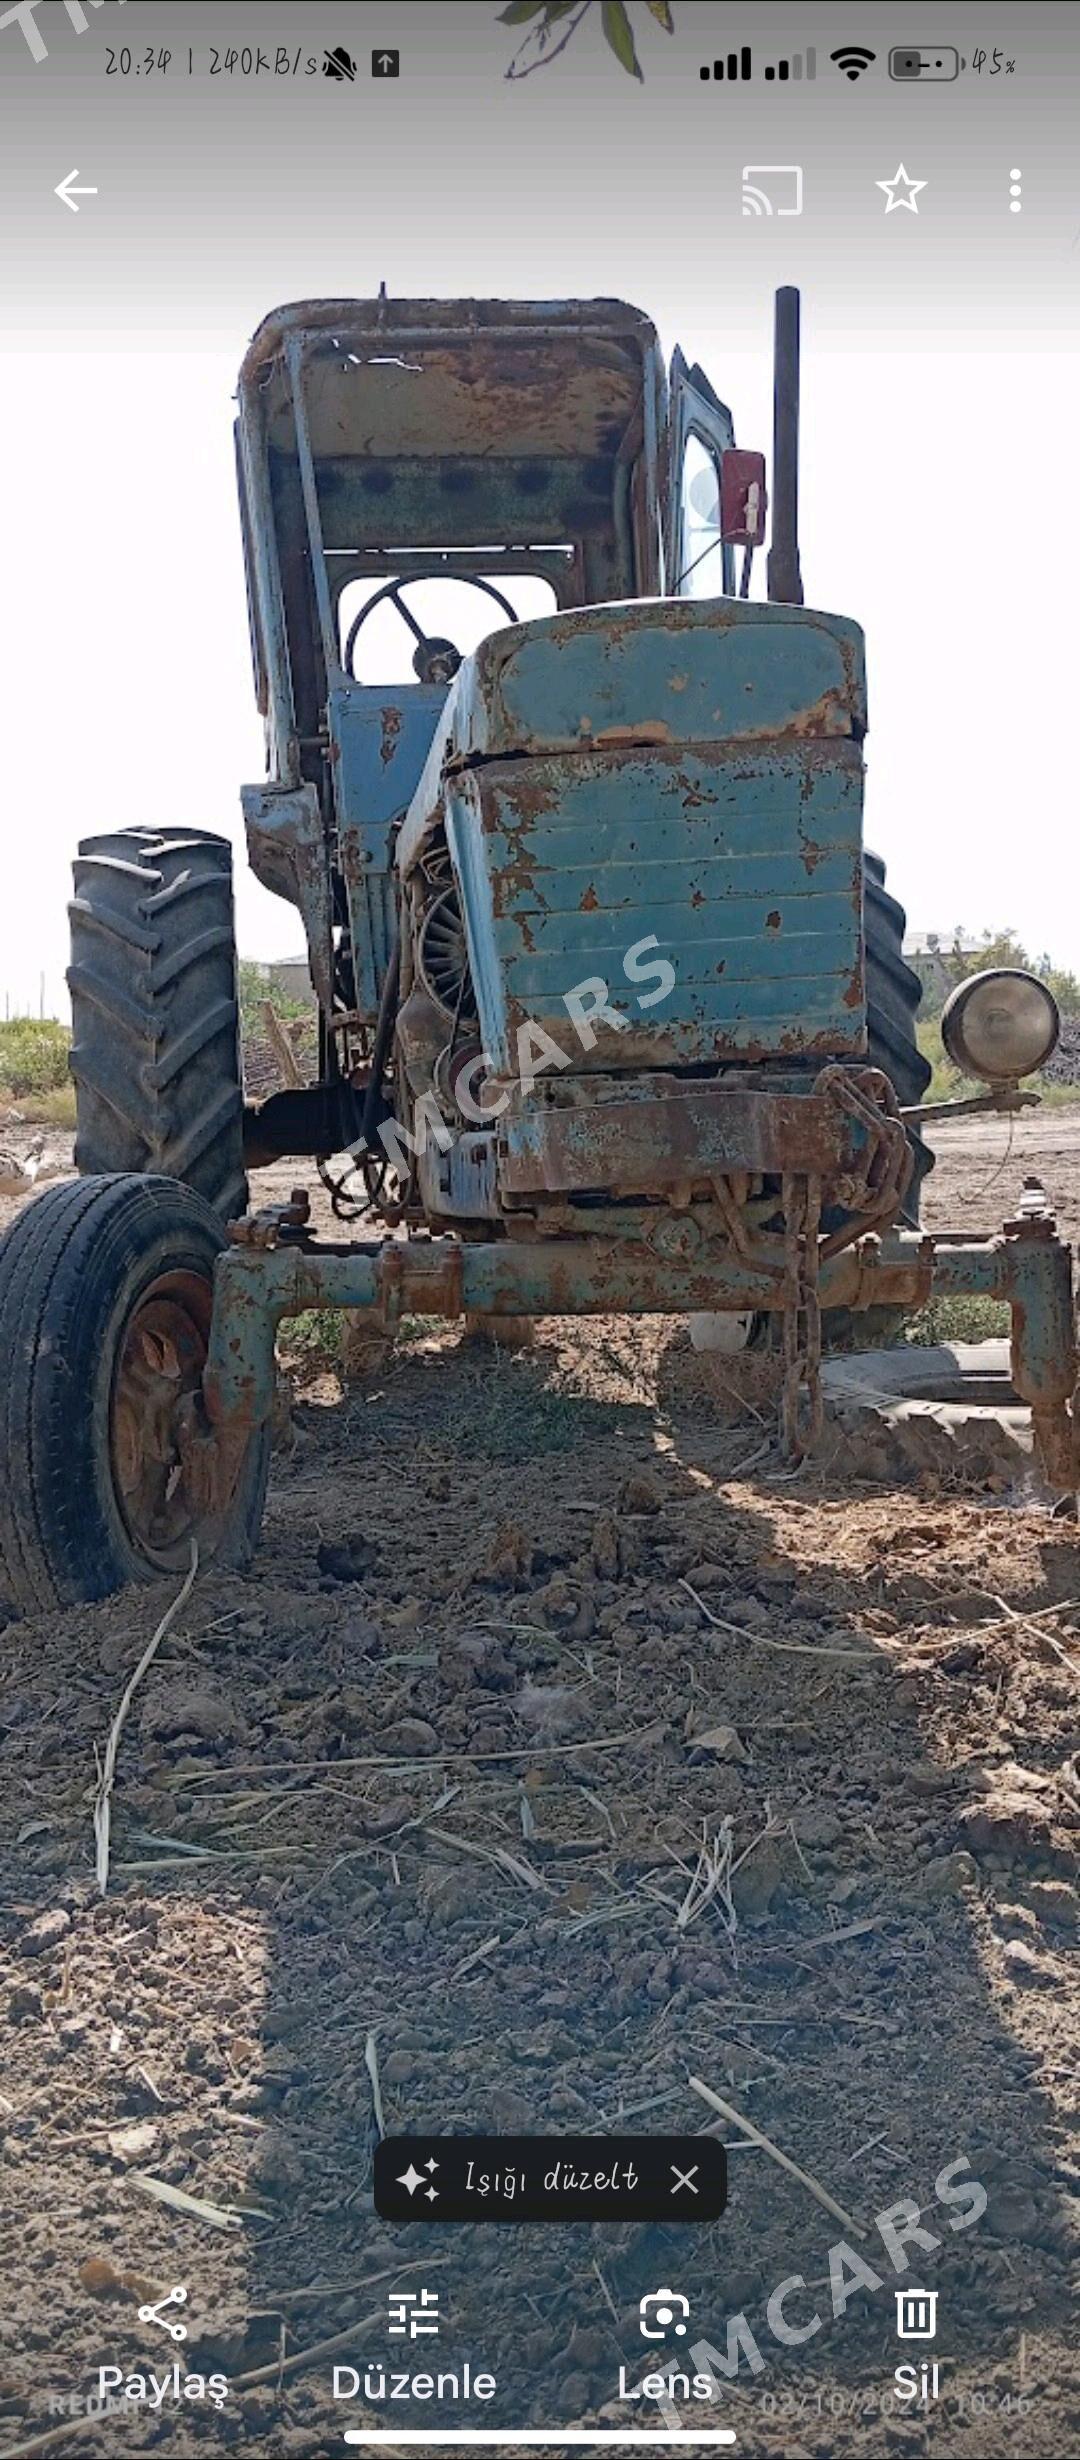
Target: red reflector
742, 498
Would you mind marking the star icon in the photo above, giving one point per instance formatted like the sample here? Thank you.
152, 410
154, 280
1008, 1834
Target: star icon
411, 2179
900, 190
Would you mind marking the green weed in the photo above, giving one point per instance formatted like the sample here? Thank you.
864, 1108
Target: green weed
33, 1056
312, 1338
960, 1319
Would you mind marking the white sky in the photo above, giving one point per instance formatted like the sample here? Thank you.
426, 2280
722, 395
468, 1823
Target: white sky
940, 476
124, 655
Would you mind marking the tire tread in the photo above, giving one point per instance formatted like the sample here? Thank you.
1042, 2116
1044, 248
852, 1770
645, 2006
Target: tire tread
155, 1012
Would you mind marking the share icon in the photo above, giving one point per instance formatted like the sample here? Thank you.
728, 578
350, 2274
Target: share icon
155, 2314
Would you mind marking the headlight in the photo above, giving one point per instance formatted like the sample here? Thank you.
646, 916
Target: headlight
1000, 1025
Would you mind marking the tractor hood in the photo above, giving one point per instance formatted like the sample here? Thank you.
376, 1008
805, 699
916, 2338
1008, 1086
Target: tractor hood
671, 776
659, 672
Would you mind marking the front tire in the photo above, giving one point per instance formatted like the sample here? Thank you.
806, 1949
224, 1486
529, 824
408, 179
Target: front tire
105, 1300
155, 1050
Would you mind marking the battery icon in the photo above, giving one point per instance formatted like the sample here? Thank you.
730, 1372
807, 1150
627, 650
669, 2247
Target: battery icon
934, 63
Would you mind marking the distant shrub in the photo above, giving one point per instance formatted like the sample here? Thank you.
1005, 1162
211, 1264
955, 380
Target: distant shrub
33, 1055
946, 1083
960, 1319
256, 987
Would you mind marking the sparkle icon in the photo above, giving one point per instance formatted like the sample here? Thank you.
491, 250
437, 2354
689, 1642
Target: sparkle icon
413, 2180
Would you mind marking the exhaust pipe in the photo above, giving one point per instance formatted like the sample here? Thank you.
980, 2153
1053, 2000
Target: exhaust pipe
783, 575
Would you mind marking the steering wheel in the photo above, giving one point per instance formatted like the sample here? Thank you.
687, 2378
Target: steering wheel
434, 660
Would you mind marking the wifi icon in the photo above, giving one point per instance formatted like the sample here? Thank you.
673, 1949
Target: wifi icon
852, 59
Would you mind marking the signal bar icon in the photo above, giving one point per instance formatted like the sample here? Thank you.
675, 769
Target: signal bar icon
737, 65
793, 68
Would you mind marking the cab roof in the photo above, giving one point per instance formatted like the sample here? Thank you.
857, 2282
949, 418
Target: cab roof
456, 376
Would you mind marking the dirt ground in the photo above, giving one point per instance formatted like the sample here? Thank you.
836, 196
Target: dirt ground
561, 1747
981, 1165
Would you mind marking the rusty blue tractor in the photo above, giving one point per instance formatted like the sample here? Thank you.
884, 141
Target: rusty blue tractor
613, 1014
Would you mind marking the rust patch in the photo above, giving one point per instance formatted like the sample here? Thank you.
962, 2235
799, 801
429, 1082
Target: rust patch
590, 902
772, 921
661, 1144
651, 730
529, 795
826, 717
391, 728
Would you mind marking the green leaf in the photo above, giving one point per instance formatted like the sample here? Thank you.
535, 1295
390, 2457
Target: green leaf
661, 10
519, 12
618, 34
557, 9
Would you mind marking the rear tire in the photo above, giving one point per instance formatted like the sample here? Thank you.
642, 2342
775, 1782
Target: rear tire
893, 994
155, 1013
79, 1515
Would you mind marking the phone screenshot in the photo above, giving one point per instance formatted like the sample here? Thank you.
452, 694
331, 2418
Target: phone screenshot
539, 1229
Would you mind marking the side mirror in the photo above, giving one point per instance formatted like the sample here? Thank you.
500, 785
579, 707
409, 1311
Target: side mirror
743, 500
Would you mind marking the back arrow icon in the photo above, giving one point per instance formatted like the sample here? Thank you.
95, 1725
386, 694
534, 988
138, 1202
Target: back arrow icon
69, 194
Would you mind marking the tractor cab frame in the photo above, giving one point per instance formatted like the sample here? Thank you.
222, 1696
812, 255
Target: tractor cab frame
477, 442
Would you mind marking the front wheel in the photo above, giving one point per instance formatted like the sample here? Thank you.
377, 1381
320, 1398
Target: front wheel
106, 1291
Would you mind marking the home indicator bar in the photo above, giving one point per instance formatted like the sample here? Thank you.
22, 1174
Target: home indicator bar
541, 2438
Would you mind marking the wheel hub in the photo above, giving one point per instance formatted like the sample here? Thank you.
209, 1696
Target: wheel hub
160, 1368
